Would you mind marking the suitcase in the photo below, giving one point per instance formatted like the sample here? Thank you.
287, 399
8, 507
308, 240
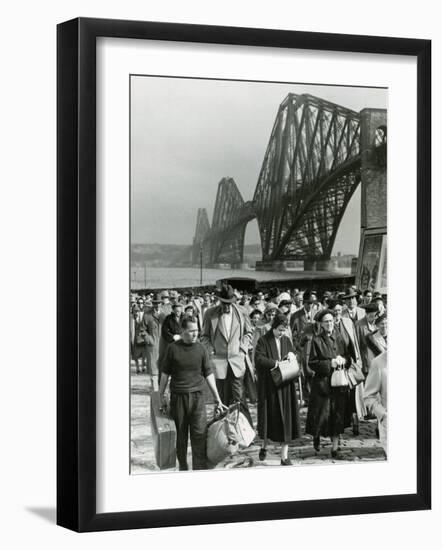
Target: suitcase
163, 434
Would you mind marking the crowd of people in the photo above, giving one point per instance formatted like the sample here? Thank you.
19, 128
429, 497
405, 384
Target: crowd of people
233, 340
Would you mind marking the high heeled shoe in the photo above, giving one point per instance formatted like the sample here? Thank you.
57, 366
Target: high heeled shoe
262, 454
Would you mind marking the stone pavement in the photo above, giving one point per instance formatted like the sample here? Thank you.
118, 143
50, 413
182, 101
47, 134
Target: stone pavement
356, 449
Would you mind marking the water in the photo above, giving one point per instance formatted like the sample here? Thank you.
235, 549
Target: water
179, 277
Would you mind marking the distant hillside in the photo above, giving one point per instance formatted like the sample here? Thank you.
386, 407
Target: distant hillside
178, 255
161, 255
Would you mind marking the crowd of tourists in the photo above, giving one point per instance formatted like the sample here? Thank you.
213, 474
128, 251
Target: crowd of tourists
229, 342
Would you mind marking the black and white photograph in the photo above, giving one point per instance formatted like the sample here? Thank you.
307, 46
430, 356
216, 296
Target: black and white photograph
258, 297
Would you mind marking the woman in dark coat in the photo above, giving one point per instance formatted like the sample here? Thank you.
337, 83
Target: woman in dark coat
329, 411
278, 411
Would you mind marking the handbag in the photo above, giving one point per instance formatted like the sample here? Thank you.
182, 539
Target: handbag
285, 371
355, 375
141, 337
339, 378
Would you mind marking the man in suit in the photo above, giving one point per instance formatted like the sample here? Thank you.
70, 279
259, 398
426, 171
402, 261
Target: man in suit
304, 316
364, 327
375, 394
352, 311
227, 335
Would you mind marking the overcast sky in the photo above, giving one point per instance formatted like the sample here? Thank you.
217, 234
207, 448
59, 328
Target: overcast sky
188, 134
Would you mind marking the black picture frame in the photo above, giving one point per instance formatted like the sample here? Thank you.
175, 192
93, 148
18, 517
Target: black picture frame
76, 273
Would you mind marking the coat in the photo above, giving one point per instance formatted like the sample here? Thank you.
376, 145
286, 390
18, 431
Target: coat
376, 343
363, 329
153, 334
329, 411
375, 393
299, 322
227, 349
278, 409
360, 314
357, 404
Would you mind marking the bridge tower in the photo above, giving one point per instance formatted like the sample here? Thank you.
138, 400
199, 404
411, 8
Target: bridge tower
372, 260
310, 171
202, 229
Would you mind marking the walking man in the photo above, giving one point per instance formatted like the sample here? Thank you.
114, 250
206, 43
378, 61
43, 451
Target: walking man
186, 364
227, 335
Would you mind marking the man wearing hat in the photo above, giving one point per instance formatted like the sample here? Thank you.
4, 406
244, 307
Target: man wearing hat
377, 341
153, 334
364, 327
227, 335
352, 311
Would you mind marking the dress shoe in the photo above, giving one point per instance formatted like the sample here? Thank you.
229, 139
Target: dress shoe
286, 462
262, 454
316, 443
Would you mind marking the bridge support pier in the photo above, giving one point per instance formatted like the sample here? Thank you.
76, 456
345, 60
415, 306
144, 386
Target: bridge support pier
309, 265
326, 265
268, 265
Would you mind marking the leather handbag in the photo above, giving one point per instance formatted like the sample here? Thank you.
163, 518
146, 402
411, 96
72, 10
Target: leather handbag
285, 371
339, 378
141, 337
355, 375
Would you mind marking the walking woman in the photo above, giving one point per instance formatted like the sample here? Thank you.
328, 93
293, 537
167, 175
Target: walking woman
278, 412
329, 407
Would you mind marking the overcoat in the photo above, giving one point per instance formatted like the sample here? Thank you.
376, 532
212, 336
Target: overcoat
363, 330
278, 409
358, 315
153, 334
376, 343
329, 411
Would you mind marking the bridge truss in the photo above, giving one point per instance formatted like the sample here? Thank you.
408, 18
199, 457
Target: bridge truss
310, 171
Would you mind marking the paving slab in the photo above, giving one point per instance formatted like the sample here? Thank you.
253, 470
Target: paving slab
360, 449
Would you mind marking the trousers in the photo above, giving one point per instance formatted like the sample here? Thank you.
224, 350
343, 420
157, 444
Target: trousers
188, 410
231, 390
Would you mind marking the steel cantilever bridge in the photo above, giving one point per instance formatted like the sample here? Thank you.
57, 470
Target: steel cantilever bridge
310, 171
